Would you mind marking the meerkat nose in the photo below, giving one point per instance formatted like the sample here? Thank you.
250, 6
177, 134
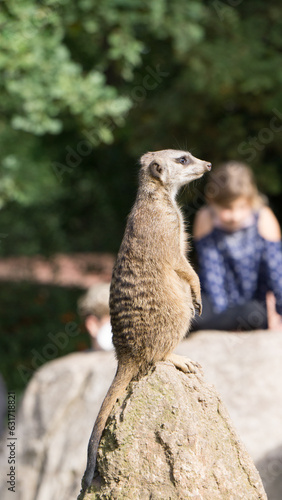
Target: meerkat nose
209, 166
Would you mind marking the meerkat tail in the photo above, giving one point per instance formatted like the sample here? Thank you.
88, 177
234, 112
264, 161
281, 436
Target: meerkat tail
123, 376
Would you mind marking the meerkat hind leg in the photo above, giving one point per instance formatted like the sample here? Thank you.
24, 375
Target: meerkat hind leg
183, 363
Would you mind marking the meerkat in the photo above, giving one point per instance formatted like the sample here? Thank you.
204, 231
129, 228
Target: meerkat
154, 290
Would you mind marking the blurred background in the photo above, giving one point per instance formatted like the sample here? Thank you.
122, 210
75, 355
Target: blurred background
86, 88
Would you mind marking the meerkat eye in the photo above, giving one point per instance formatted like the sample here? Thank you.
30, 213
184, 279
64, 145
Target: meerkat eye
183, 160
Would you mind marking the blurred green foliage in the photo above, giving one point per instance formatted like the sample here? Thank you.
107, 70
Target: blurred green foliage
88, 86
34, 329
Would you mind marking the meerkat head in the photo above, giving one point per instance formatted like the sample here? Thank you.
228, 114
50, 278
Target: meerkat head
172, 168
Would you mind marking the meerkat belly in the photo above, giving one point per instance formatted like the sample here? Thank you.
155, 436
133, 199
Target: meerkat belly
150, 312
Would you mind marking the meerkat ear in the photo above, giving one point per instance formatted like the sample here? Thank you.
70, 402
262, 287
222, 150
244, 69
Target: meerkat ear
156, 170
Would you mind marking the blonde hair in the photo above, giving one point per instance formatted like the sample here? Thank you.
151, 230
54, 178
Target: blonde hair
230, 181
95, 301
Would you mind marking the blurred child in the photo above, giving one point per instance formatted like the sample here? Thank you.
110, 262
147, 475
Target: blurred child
237, 239
93, 307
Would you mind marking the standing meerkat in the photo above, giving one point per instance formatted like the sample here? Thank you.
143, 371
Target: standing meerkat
154, 290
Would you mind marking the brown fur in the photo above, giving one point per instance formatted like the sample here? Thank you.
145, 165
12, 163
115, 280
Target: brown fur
154, 289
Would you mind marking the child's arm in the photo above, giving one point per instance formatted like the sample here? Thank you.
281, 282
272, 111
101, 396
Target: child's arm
269, 229
274, 319
268, 225
272, 264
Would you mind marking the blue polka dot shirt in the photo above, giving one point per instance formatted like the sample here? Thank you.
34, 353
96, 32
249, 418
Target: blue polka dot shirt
238, 267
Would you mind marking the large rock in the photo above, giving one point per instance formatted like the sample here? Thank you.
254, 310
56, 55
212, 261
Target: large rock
170, 437
246, 369
62, 400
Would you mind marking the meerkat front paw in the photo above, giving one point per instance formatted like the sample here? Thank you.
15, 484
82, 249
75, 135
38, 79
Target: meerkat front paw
198, 306
197, 302
196, 293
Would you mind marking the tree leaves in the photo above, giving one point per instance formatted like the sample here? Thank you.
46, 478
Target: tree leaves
133, 75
